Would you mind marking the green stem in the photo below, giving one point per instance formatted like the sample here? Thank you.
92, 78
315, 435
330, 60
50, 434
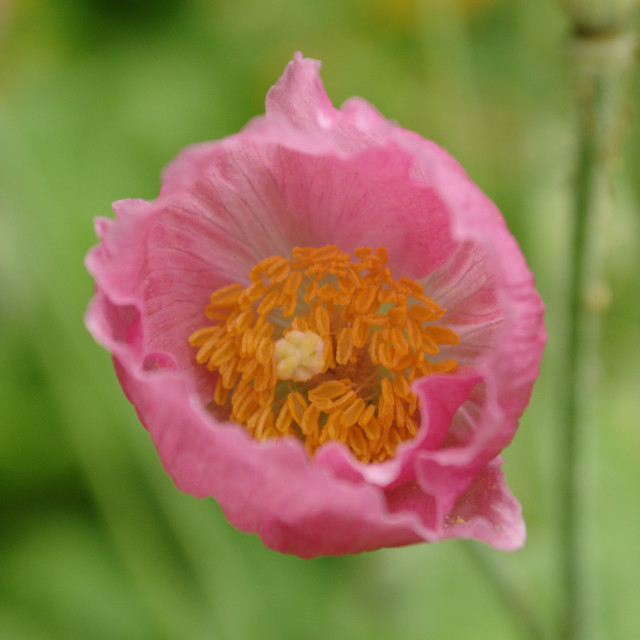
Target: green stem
600, 60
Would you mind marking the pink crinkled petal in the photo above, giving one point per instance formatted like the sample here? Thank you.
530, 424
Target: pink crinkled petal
300, 100
265, 488
299, 97
485, 511
308, 174
488, 511
440, 399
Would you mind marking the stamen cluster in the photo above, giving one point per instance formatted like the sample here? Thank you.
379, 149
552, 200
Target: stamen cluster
376, 333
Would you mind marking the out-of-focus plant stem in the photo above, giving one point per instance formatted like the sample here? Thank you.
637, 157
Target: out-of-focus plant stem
523, 614
601, 59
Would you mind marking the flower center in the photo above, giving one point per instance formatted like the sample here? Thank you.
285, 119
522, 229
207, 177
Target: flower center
324, 348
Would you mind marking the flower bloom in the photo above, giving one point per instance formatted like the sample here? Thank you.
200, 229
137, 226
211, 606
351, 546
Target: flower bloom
325, 325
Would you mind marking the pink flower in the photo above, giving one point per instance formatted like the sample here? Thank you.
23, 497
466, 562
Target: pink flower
325, 325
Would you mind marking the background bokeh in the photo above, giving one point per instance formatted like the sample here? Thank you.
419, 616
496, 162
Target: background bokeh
96, 96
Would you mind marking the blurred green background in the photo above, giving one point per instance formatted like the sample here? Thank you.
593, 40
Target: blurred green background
96, 96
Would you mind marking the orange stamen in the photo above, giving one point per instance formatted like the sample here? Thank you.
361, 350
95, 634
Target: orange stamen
354, 339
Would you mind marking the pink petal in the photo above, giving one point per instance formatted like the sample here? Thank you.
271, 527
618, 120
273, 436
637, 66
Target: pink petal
266, 488
488, 511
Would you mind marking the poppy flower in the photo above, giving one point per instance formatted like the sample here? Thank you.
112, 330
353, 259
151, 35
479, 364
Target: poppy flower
324, 324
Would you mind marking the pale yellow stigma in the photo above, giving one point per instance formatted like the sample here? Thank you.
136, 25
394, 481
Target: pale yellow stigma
299, 355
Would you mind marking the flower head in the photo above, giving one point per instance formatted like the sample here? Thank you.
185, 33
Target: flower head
325, 325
